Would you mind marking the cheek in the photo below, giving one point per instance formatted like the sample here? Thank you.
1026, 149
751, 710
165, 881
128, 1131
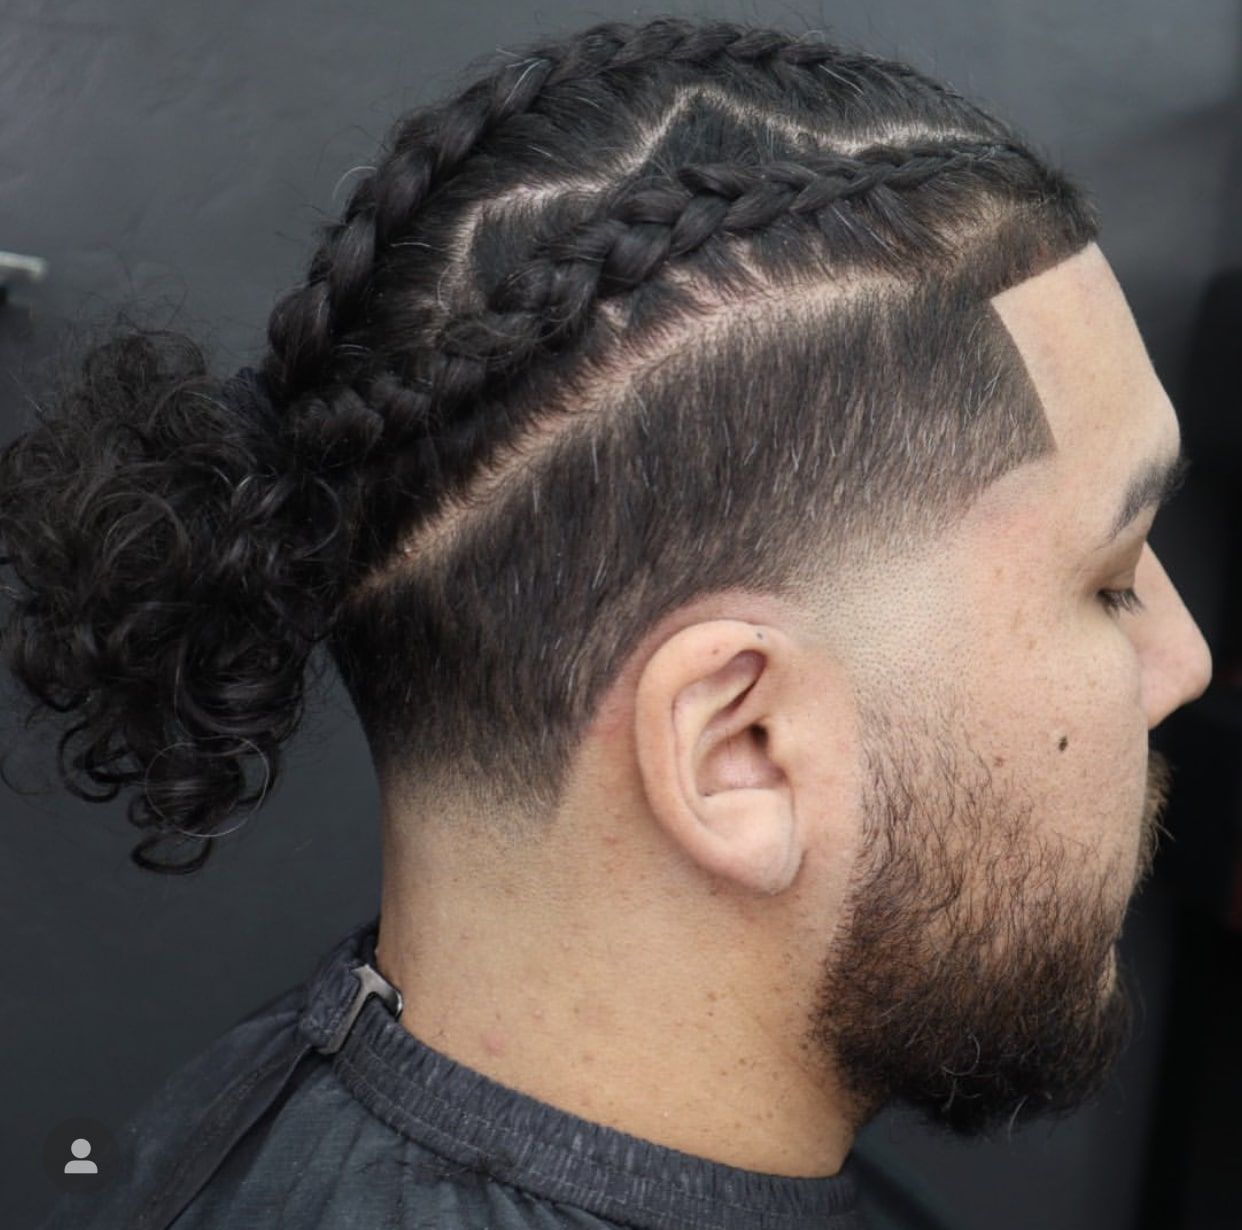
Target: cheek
1099, 780
1059, 715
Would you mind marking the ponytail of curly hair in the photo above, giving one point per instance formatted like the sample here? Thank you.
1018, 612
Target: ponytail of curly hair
648, 312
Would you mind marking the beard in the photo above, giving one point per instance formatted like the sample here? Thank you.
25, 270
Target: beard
976, 979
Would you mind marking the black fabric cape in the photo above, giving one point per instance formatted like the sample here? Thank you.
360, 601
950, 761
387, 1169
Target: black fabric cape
320, 1111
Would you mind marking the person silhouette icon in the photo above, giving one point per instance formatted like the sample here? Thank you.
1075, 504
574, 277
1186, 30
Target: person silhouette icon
81, 1153
81, 1164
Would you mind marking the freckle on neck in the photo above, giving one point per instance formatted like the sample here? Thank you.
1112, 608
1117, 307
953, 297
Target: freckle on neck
1063, 744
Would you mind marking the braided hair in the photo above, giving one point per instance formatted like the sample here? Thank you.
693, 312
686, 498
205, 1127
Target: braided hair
645, 313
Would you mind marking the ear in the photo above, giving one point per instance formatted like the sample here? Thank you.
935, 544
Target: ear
713, 726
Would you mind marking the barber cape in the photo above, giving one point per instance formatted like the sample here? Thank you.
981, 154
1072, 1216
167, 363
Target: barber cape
320, 1111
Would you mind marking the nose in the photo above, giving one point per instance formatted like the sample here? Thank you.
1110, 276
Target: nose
1176, 660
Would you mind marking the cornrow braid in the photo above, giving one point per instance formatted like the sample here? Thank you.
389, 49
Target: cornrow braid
311, 323
649, 312
544, 303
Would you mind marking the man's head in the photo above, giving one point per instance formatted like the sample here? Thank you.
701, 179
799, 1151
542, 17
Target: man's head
974, 749
840, 724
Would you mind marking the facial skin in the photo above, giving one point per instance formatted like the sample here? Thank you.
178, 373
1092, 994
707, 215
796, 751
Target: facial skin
797, 877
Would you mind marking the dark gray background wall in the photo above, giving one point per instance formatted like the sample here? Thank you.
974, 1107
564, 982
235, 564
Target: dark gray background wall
178, 155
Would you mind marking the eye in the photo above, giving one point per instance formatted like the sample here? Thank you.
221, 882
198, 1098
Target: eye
1121, 600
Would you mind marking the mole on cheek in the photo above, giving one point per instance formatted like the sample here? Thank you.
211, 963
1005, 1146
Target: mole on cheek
1063, 744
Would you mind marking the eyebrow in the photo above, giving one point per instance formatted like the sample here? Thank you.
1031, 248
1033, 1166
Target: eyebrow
1155, 484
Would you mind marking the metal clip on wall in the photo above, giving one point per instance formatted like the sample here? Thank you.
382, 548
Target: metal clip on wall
16, 268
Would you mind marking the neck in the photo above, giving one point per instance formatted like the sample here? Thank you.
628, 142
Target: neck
659, 1010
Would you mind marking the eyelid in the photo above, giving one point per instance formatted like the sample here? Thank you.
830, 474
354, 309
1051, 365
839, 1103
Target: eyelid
1124, 600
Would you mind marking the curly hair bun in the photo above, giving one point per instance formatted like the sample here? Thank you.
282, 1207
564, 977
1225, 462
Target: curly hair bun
167, 599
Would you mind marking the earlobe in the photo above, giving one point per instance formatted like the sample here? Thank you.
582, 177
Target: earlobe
706, 705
